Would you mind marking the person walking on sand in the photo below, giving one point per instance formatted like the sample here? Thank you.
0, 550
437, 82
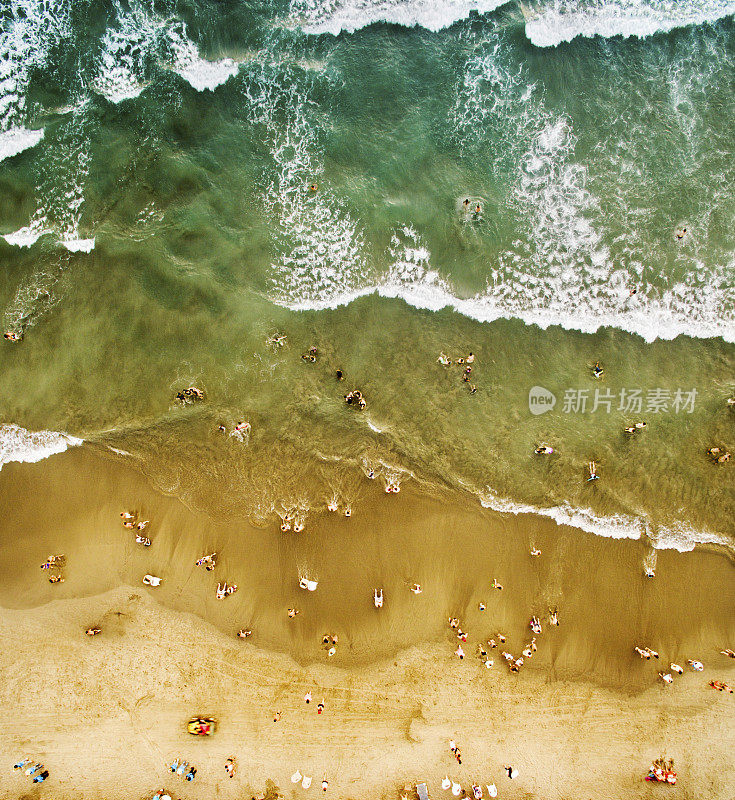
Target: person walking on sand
512, 771
307, 698
230, 767
320, 707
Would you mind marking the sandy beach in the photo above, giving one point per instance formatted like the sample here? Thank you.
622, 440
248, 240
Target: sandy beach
583, 719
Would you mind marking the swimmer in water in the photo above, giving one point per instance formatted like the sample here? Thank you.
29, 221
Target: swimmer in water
348, 512
292, 612
332, 505
553, 617
680, 233
535, 552
478, 211
466, 203
543, 450
597, 370
592, 466
12, 337
416, 588
339, 375
444, 360
243, 426
496, 585
244, 633
313, 187
470, 358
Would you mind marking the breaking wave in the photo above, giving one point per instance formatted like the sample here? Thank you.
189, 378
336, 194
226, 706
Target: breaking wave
19, 444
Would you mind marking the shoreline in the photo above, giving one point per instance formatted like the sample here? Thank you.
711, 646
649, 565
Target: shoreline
391, 541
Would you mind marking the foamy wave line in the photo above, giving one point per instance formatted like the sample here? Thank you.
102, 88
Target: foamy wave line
556, 24
16, 140
681, 536
328, 16
19, 444
28, 236
650, 323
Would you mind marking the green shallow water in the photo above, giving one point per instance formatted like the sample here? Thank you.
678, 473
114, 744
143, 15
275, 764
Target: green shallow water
585, 158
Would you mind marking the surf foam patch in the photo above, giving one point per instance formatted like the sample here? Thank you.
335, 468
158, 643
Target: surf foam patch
335, 16
563, 20
19, 444
16, 140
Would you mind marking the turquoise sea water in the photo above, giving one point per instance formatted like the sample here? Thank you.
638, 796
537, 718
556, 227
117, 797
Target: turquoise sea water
160, 229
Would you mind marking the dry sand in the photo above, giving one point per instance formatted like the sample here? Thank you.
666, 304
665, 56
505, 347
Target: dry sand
584, 720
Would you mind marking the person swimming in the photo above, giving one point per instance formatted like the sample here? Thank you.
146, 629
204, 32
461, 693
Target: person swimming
592, 467
543, 450
597, 370
378, 598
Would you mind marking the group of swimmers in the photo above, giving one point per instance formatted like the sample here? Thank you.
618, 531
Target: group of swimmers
719, 455
295, 519
190, 395
355, 398
466, 363
54, 564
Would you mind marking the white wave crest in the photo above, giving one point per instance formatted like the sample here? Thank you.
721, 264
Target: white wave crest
27, 236
16, 140
335, 16
199, 72
681, 536
19, 444
557, 21
79, 245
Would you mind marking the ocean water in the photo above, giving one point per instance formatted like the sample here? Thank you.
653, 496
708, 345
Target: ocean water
158, 230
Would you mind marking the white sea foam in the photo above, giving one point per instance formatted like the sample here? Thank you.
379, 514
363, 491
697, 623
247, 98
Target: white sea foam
551, 22
126, 48
19, 444
28, 29
138, 37
79, 245
16, 140
25, 237
681, 536
335, 16
319, 246
199, 72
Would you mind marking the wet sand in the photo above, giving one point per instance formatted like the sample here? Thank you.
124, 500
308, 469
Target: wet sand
583, 719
